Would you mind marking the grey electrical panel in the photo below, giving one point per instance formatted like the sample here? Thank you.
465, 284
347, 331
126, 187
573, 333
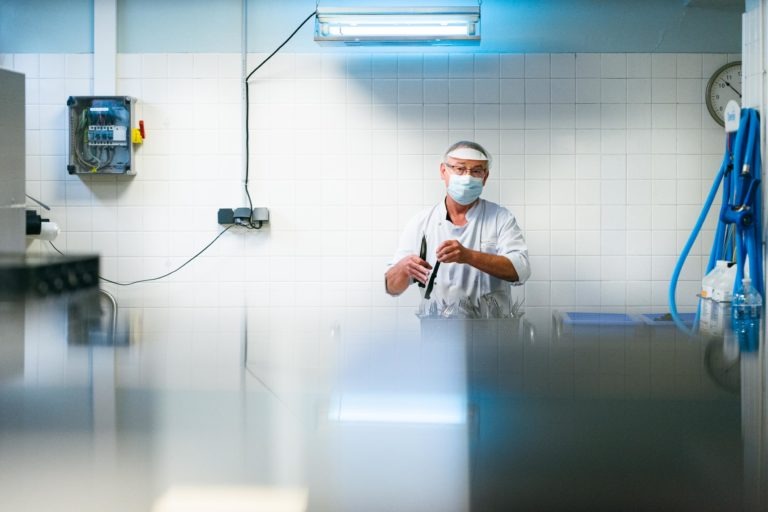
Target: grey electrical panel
100, 135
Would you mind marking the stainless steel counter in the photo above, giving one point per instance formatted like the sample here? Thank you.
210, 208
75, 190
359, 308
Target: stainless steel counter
185, 404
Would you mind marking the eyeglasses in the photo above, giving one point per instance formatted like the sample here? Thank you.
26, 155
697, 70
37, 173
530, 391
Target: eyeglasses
460, 170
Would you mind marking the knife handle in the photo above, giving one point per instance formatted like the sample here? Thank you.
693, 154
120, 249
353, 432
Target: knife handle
423, 255
431, 281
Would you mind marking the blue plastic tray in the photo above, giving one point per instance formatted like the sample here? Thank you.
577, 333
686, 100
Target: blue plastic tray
598, 319
659, 319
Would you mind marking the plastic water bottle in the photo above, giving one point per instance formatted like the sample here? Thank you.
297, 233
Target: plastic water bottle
747, 304
746, 308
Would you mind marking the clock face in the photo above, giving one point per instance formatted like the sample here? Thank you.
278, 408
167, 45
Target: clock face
724, 86
723, 367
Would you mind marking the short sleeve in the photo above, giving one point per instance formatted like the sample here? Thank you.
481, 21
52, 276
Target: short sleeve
511, 244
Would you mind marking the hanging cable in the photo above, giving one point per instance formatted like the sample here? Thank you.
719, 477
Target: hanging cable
201, 251
248, 108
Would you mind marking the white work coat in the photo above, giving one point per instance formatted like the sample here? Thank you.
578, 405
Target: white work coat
490, 228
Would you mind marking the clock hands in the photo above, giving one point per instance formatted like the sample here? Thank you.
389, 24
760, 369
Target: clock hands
732, 88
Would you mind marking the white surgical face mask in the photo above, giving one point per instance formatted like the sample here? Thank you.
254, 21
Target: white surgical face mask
465, 189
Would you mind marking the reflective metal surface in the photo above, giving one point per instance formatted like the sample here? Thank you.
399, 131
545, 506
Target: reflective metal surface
155, 409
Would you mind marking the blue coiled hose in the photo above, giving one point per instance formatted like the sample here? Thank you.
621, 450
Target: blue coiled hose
740, 174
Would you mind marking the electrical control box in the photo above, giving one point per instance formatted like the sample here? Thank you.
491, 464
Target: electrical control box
100, 140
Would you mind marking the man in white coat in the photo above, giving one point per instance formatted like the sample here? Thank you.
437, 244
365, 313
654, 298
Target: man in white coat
463, 246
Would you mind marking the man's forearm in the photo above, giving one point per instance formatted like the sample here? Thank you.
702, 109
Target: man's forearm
396, 281
493, 264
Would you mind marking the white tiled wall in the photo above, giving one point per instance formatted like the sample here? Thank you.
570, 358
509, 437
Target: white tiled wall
604, 158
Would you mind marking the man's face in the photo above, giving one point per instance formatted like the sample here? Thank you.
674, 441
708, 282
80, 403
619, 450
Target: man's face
458, 166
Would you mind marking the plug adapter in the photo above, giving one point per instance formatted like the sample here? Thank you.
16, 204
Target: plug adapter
226, 216
261, 214
242, 214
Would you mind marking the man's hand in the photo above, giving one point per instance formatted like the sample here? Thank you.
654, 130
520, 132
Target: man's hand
451, 251
399, 276
415, 267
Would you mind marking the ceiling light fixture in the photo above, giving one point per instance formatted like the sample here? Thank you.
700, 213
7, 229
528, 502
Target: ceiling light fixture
398, 25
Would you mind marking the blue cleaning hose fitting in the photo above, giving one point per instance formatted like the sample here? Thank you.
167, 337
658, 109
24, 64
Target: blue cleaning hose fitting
740, 175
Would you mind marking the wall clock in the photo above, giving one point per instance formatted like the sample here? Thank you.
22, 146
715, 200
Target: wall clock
723, 86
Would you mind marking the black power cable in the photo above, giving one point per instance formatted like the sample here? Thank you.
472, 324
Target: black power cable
164, 275
248, 109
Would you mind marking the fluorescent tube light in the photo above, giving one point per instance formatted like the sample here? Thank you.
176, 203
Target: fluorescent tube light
232, 499
398, 25
445, 409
